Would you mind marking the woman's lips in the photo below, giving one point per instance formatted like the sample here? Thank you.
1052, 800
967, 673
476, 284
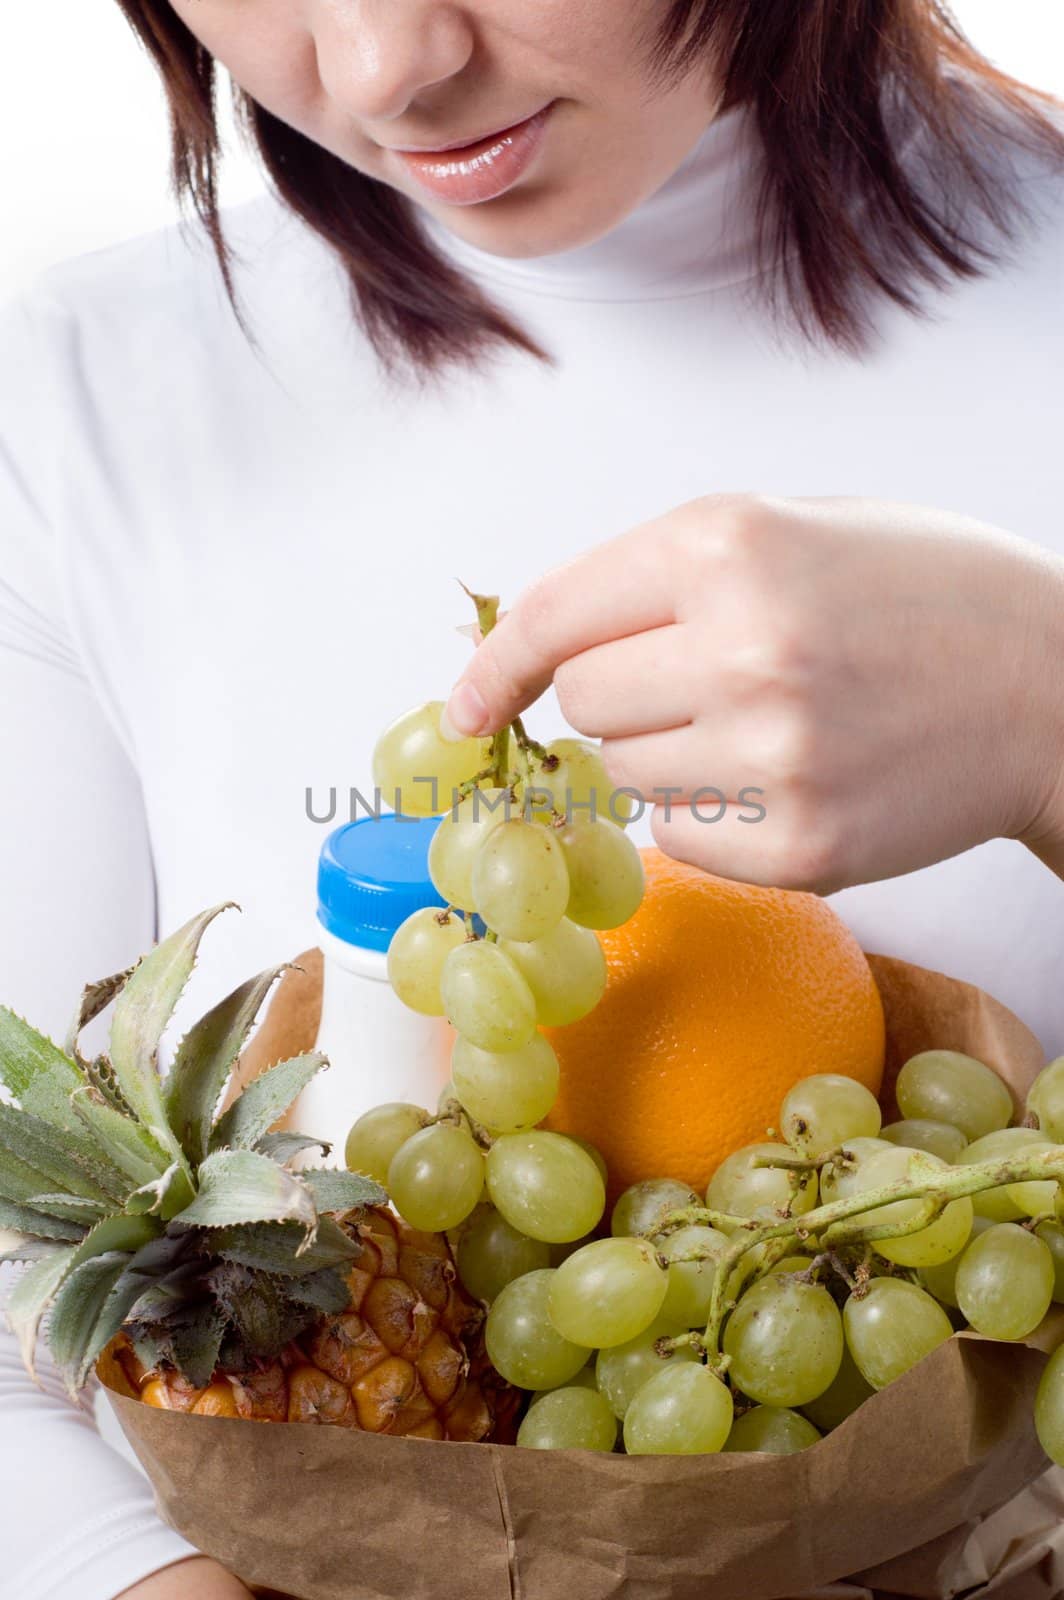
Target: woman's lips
480, 171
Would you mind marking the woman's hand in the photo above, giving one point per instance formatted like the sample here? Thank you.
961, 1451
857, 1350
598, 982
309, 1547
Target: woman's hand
199, 1578
891, 679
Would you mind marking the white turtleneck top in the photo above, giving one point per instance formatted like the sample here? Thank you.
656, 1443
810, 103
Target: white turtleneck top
224, 567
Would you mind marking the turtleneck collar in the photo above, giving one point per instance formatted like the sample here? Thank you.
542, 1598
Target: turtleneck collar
697, 232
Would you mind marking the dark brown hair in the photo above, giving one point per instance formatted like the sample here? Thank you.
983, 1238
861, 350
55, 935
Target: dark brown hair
834, 87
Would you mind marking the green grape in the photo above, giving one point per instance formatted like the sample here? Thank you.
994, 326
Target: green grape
941, 1281
643, 1207
522, 1343
506, 1092
1046, 1100
579, 781
492, 1254
458, 838
946, 1086
1040, 1196
605, 874
740, 1189
847, 1390
1052, 1236
436, 1178
944, 1238
608, 1292
486, 998
521, 881
891, 1327
791, 1264
417, 955
690, 1282
572, 1418
1000, 1205
839, 1179
412, 752
585, 1379
622, 1370
1005, 1282
785, 1341
772, 1430
378, 1134
448, 1100
823, 1111
919, 1133
1049, 1408
545, 1185
682, 1411
565, 969
596, 1155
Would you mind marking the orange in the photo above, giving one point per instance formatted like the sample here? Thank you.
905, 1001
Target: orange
720, 996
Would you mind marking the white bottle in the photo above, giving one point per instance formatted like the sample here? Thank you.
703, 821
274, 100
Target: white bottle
372, 875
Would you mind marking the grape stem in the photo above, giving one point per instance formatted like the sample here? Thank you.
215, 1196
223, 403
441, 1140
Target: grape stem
828, 1224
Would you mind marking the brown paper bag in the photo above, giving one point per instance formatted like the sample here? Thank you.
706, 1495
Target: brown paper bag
935, 1486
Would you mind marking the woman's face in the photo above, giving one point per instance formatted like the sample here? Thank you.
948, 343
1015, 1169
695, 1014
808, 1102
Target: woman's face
365, 78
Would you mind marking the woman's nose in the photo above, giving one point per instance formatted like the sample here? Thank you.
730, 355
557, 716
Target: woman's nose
376, 56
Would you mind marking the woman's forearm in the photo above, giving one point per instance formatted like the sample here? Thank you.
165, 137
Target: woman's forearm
1045, 835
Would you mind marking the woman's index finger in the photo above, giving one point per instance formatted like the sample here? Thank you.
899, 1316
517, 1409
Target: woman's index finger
612, 590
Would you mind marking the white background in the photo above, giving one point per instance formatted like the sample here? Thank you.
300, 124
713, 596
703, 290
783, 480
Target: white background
84, 140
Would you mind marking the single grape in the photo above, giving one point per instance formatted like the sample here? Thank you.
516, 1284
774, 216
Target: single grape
839, 1179
417, 955
1005, 1282
579, 781
772, 1430
605, 874
691, 1282
740, 1189
585, 1379
458, 838
791, 1264
572, 1418
520, 880
596, 1155
891, 1327
785, 1341
941, 1281
565, 969
419, 770
643, 1207
545, 1185
1046, 1100
486, 998
946, 1086
683, 1411
1052, 1236
1049, 1408
492, 1254
436, 1178
608, 1292
622, 1370
847, 1390
942, 1239
509, 1091
823, 1111
999, 1204
522, 1343
378, 1134
918, 1133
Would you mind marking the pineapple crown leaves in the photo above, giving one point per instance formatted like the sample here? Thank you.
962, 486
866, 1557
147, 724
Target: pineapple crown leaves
129, 1197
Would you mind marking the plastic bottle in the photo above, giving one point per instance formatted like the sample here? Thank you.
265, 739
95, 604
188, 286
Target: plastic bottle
372, 875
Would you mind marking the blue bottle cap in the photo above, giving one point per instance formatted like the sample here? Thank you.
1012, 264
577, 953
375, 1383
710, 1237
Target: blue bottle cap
372, 875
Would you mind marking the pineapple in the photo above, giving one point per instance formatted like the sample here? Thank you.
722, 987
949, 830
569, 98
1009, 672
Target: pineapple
178, 1251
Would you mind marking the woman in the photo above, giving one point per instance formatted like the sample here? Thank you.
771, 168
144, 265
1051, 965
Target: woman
726, 257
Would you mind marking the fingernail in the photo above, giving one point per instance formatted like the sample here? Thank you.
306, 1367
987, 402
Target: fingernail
464, 714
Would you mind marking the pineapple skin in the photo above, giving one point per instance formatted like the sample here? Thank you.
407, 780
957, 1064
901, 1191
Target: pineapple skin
405, 1359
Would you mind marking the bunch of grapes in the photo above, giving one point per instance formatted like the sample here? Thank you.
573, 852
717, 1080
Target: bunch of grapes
531, 857
819, 1266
